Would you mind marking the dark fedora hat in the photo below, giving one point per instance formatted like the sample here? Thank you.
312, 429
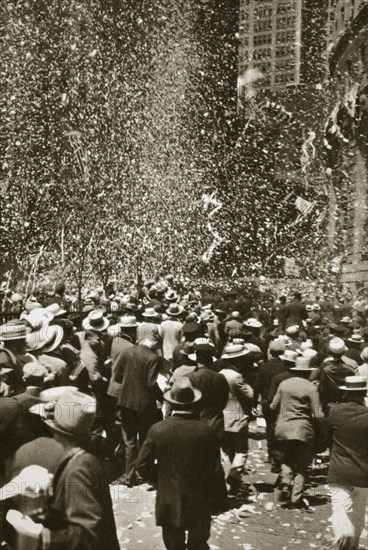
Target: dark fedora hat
182, 393
74, 414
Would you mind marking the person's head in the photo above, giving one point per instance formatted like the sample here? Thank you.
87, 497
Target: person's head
150, 315
355, 389
253, 325
204, 352
183, 396
293, 331
303, 367
95, 322
191, 330
277, 347
297, 296
282, 299
336, 347
128, 327
153, 345
355, 341
175, 311
60, 288
34, 374
289, 358
13, 336
73, 418
233, 355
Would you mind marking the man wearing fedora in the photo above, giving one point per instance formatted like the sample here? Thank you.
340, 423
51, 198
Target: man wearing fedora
94, 355
171, 330
234, 449
348, 470
124, 336
150, 326
297, 407
82, 516
295, 312
332, 373
190, 331
28, 426
354, 345
13, 353
135, 374
182, 456
267, 371
213, 386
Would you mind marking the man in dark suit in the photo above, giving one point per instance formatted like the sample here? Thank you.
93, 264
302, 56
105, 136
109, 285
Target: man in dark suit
136, 371
348, 471
213, 386
28, 426
295, 312
190, 482
83, 518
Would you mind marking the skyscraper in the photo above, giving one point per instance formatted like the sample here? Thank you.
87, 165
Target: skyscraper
270, 40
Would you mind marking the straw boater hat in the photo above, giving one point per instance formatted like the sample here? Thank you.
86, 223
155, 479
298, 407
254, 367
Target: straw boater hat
202, 344
38, 318
292, 330
34, 370
337, 346
277, 345
174, 310
13, 330
171, 296
182, 393
150, 313
356, 339
355, 383
55, 309
128, 321
252, 323
231, 351
79, 424
47, 339
289, 355
95, 321
303, 363
125, 322
346, 320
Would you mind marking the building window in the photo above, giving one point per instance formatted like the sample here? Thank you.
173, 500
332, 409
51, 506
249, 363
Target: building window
262, 39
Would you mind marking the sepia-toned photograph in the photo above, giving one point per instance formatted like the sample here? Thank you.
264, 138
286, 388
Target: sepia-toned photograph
184, 274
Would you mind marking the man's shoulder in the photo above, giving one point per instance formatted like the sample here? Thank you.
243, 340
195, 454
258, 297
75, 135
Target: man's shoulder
181, 425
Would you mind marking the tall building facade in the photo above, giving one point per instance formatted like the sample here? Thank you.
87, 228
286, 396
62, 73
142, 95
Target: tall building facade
270, 40
347, 133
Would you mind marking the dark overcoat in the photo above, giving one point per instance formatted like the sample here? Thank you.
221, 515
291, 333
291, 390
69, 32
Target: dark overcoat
82, 499
190, 480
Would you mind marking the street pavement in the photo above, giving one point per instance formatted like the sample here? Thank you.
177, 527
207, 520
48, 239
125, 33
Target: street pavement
254, 521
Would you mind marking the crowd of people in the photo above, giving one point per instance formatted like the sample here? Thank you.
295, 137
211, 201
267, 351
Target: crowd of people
169, 383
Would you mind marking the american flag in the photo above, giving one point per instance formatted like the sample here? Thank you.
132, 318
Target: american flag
304, 206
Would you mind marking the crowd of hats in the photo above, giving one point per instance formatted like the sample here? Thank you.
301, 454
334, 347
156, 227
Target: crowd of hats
160, 301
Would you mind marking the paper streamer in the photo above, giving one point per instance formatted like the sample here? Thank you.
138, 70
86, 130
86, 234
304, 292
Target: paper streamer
308, 151
210, 200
